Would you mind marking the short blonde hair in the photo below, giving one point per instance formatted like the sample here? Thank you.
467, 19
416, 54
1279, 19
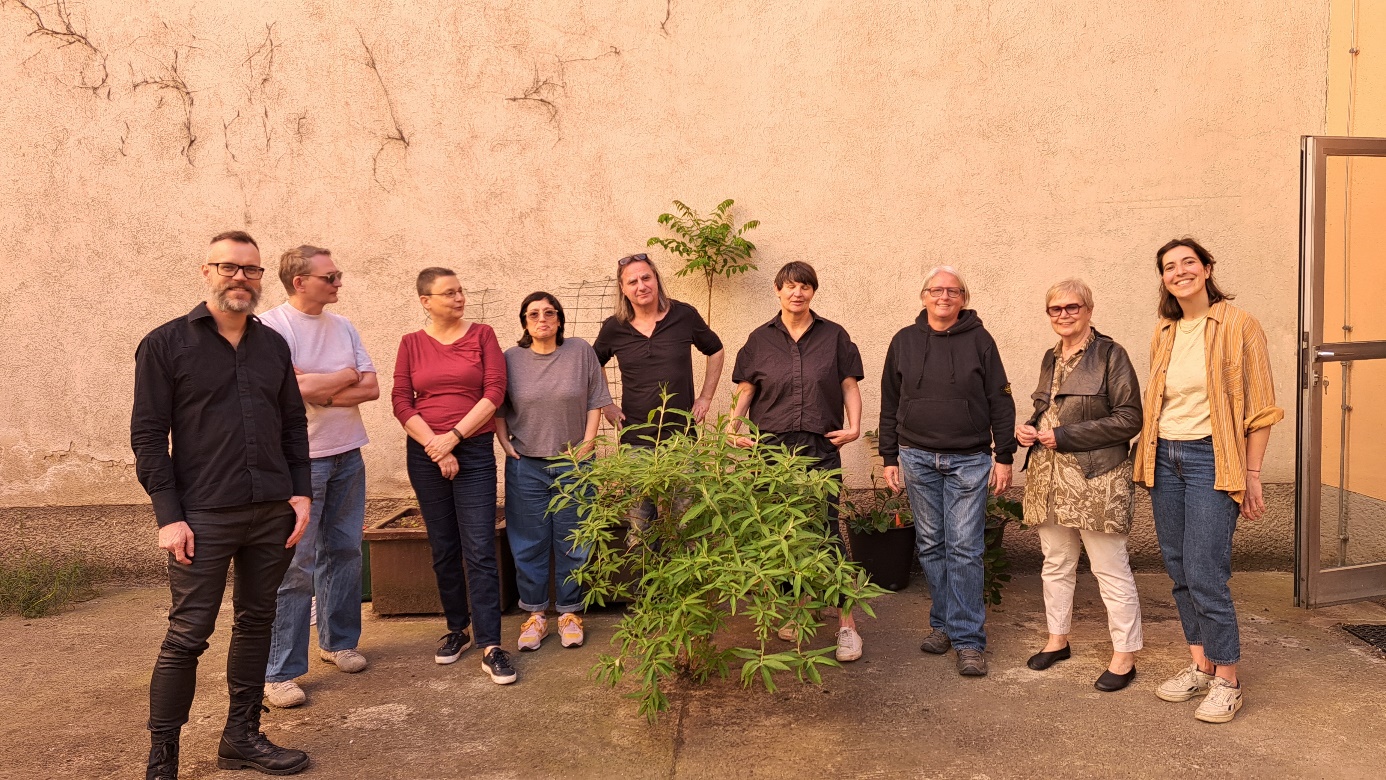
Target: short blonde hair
1073, 286
947, 269
298, 262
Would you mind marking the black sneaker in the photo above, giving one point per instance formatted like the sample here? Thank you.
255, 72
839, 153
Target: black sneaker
497, 664
452, 646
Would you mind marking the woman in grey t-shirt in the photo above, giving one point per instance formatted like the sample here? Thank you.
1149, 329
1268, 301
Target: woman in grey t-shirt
552, 407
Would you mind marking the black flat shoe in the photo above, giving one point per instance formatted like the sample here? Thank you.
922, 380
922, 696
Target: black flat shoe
1110, 682
1043, 660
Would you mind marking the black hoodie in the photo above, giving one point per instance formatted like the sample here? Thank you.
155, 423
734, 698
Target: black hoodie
946, 391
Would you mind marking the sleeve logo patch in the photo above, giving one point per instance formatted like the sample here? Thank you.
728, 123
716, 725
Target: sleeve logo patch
1006, 389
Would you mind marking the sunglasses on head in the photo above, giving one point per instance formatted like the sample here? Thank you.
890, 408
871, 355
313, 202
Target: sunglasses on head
628, 259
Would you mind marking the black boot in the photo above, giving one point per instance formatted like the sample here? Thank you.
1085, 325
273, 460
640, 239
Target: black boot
163, 756
243, 746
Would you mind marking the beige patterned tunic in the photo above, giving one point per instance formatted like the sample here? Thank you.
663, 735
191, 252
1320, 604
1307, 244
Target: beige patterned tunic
1056, 490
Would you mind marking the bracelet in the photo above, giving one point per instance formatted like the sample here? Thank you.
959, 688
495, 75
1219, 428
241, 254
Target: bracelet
1254, 471
458, 435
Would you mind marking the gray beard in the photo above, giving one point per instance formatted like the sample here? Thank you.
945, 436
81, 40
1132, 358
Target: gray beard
231, 306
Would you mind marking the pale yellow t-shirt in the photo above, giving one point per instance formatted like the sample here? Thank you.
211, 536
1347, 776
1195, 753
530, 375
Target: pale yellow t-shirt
1184, 415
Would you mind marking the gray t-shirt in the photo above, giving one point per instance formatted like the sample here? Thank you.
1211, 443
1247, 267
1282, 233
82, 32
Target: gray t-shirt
547, 397
321, 344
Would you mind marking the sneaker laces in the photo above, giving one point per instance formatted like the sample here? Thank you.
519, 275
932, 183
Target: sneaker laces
446, 639
533, 623
568, 619
1222, 694
499, 660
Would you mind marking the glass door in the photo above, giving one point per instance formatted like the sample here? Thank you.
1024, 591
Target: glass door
1340, 518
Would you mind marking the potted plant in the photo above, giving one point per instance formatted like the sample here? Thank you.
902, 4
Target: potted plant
402, 581
1001, 511
880, 534
737, 534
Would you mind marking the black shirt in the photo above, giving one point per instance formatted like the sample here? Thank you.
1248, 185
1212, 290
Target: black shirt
661, 360
240, 433
798, 384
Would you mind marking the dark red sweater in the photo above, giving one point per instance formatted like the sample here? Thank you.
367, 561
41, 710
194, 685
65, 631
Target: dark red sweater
442, 382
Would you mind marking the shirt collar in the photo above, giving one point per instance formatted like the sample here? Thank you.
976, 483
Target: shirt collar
1059, 348
201, 312
1217, 313
778, 324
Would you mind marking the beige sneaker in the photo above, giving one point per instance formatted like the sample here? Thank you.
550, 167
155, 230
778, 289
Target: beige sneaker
570, 630
284, 694
533, 631
848, 644
1184, 686
789, 632
1221, 703
348, 661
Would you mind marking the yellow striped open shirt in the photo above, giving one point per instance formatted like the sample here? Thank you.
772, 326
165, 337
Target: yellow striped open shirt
1240, 393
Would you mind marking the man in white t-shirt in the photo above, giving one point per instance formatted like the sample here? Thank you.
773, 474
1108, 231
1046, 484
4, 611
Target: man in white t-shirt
335, 375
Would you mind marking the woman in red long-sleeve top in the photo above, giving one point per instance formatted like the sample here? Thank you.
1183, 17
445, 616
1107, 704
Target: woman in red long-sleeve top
449, 379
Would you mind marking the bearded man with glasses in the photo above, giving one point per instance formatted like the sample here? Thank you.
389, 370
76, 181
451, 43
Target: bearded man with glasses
236, 486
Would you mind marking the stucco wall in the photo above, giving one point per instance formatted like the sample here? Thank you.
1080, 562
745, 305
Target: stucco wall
528, 144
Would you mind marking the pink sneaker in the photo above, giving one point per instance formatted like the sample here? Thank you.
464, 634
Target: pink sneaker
533, 631
570, 629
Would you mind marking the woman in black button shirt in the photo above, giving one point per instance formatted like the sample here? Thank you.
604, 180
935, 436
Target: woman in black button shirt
650, 336
794, 377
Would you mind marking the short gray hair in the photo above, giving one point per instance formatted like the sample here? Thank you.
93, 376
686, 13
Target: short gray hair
947, 269
1074, 286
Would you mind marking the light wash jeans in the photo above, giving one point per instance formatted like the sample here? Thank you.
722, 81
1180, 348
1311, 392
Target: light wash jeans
327, 562
1194, 523
948, 495
534, 532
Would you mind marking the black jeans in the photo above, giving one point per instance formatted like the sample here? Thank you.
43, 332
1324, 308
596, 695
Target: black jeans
460, 515
253, 536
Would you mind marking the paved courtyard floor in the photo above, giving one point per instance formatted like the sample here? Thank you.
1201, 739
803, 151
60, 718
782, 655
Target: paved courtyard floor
74, 693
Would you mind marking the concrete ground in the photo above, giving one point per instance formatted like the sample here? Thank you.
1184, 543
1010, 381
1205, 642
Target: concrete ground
74, 691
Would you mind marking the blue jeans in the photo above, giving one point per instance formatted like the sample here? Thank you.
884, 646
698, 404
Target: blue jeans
327, 562
1194, 524
948, 495
530, 484
460, 515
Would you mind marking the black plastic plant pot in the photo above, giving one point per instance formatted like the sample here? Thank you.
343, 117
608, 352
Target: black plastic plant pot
887, 557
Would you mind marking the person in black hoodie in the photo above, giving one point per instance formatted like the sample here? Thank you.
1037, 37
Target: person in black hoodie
945, 407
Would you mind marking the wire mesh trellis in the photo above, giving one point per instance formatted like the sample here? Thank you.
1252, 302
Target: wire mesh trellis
485, 305
586, 305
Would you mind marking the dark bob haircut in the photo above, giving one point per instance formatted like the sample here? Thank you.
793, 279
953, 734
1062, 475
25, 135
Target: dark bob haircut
526, 340
798, 272
1169, 305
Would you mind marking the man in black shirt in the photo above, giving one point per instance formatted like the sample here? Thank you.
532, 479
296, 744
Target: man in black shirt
236, 487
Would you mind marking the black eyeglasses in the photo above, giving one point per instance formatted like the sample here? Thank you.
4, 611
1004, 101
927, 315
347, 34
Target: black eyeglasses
450, 294
628, 259
332, 278
230, 269
546, 314
1071, 310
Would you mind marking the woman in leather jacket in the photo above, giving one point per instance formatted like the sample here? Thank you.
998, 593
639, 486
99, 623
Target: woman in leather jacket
1078, 486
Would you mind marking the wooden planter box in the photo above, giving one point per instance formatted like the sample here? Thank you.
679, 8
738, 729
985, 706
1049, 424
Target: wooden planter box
402, 580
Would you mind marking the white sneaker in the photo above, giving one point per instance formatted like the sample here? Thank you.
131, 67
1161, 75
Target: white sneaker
848, 644
284, 694
1221, 703
348, 661
1184, 686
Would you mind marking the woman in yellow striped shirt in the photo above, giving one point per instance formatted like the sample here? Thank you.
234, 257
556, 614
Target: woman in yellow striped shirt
1209, 407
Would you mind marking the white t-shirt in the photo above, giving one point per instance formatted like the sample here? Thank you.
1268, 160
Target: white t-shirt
321, 344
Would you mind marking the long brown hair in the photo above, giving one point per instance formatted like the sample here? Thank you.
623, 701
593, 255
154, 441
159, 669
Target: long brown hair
1169, 305
625, 312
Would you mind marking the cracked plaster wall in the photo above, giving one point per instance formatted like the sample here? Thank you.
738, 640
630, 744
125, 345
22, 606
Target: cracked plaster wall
528, 144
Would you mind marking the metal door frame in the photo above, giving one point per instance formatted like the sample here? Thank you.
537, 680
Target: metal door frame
1316, 587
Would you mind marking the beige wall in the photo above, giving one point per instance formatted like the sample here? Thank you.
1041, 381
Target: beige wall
528, 144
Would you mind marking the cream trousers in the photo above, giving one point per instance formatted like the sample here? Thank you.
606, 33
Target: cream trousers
1111, 566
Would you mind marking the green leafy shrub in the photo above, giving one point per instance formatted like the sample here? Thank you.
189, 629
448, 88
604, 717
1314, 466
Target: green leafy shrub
712, 245
1001, 511
33, 585
877, 509
737, 532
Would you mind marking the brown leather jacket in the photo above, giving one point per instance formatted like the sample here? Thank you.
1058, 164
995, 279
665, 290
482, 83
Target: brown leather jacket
1101, 409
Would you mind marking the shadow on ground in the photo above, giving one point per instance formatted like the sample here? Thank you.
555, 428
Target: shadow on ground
76, 700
